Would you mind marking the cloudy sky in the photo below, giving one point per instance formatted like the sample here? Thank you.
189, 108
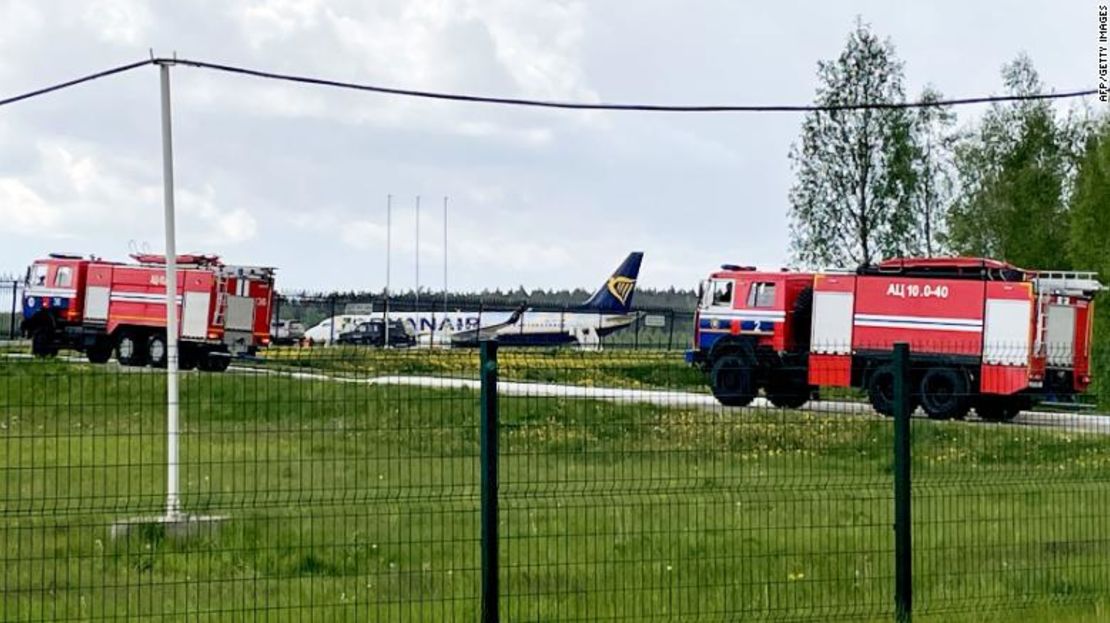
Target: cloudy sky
297, 177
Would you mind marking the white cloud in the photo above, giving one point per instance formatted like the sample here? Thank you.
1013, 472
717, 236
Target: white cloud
79, 192
362, 234
267, 20
202, 218
121, 22
19, 20
23, 211
498, 49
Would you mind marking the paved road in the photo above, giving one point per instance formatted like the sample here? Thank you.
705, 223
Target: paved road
1073, 422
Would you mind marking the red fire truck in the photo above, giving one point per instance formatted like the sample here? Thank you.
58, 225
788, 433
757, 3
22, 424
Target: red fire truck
983, 334
100, 308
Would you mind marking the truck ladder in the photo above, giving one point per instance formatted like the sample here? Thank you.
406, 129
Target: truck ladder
1066, 283
221, 300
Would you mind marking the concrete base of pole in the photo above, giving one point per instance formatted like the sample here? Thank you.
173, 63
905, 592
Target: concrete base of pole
176, 526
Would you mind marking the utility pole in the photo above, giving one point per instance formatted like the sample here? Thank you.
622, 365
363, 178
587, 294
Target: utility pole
444, 256
173, 499
173, 521
388, 271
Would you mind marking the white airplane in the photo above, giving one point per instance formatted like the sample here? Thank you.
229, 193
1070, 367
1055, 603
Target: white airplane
607, 311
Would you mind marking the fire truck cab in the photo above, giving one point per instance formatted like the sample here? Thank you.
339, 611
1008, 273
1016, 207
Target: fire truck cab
983, 334
103, 308
751, 331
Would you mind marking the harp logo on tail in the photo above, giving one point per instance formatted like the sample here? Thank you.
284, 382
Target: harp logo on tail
620, 287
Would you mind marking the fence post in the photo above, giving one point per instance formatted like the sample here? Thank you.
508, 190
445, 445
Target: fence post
331, 328
488, 433
11, 320
670, 334
903, 535
636, 339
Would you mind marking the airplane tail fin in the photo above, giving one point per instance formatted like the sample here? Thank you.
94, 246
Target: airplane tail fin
615, 296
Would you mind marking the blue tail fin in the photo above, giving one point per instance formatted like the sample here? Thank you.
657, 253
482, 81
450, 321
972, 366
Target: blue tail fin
615, 296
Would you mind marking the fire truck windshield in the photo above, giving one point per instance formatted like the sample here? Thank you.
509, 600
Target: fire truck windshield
36, 275
720, 292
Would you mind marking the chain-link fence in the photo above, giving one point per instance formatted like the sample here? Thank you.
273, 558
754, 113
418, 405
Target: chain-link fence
359, 484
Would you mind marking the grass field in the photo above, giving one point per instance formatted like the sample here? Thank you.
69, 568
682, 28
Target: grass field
611, 368
361, 503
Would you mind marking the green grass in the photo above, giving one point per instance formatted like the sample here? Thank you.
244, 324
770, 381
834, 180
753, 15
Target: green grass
609, 368
355, 502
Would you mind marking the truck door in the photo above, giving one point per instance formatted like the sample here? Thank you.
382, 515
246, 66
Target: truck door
1059, 339
239, 319
194, 316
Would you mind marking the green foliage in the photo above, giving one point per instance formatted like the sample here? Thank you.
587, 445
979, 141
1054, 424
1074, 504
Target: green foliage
1014, 170
852, 201
1089, 242
935, 176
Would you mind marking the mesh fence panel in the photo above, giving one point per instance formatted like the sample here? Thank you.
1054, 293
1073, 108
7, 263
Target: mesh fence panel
338, 496
647, 499
343, 483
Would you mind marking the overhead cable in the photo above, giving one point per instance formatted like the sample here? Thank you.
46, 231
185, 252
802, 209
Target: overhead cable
513, 101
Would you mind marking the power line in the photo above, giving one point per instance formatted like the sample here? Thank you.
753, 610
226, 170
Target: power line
512, 101
75, 82
625, 107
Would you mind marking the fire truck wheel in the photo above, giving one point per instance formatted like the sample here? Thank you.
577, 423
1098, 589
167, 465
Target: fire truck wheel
156, 347
944, 393
100, 352
131, 350
996, 409
788, 390
732, 382
880, 390
214, 362
186, 358
41, 343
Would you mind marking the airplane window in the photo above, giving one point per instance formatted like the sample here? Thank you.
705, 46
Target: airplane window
762, 295
64, 277
722, 292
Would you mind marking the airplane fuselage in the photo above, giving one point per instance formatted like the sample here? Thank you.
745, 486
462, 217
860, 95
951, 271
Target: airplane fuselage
533, 328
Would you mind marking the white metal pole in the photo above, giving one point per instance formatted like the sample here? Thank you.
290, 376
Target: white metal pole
388, 250
444, 256
173, 502
416, 296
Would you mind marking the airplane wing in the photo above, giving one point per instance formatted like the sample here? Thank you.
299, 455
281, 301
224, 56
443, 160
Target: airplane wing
473, 336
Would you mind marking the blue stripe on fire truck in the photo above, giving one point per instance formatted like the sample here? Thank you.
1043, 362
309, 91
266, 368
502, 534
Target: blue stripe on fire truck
33, 304
928, 323
724, 325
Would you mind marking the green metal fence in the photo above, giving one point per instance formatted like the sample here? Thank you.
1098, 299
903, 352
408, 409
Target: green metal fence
360, 484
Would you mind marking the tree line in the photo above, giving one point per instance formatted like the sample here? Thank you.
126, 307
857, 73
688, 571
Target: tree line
1024, 182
